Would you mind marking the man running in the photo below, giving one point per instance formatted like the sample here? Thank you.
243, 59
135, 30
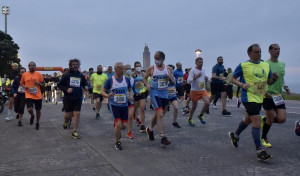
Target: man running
54, 88
187, 89
273, 103
218, 84
178, 75
91, 71
11, 77
32, 81
19, 96
72, 84
160, 76
197, 78
97, 81
120, 88
254, 76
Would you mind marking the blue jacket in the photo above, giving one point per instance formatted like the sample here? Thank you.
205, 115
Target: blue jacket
72, 80
15, 87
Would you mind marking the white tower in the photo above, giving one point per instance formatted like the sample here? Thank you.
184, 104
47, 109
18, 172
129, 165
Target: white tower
146, 57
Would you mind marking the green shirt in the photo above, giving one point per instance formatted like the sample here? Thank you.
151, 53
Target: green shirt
98, 82
279, 68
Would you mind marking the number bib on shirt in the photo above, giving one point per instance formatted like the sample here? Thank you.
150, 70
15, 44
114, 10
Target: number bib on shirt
21, 90
201, 85
259, 88
139, 85
33, 90
99, 87
74, 82
221, 75
120, 98
171, 90
162, 84
180, 80
278, 99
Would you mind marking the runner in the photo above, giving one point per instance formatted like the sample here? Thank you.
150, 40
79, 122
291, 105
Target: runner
72, 84
160, 75
187, 89
48, 87
273, 103
172, 98
197, 78
140, 94
178, 74
254, 76
120, 87
217, 84
109, 74
297, 128
32, 81
54, 88
97, 81
11, 77
91, 71
19, 96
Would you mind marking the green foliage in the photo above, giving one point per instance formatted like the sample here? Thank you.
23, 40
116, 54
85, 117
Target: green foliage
8, 53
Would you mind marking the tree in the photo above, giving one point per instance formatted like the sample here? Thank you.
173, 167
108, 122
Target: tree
8, 53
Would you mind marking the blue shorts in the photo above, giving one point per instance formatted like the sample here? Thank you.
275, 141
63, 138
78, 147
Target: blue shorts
172, 99
120, 113
159, 103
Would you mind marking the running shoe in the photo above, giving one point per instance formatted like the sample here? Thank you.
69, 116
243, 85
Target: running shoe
266, 143
75, 135
118, 146
238, 103
143, 129
186, 111
234, 140
65, 125
37, 126
9, 117
201, 118
297, 128
224, 112
19, 124
138, 122
97, 116
191, 123
263, 156
31, 120
150, 134
94, 108
129, 135
175, 124
151, 107
164, 141
214, 106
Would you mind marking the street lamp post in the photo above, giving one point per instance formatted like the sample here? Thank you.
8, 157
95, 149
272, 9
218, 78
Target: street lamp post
5, 11
198, 52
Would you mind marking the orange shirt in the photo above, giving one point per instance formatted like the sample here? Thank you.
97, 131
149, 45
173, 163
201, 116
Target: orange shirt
34, 91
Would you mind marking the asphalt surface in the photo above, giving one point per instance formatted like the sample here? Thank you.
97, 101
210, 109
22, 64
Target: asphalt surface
202, 150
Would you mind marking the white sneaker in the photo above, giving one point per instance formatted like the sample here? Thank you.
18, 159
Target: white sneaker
214, 106
9, 117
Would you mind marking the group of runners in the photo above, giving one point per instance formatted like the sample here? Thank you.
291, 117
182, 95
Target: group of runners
127, 90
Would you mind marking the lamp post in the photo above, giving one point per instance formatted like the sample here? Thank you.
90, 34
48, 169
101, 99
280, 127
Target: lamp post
5, 11
198, 52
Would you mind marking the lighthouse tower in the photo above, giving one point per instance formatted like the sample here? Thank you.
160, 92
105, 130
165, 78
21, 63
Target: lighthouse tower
146, 57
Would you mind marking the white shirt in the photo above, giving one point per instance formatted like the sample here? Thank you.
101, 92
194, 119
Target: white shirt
199, 83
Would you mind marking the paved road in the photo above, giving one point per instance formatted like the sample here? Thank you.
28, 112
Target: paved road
203, 150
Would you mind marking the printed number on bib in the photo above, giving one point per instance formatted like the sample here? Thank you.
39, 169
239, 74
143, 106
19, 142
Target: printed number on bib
21, 90
180, 80
139, 85
120, 98
278, 99
33, 90
162, 84
259, 88
99, 87
171, 90
74, 82
201, 85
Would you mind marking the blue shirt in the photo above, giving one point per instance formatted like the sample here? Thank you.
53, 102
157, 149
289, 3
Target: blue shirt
109, 75
219, 70
178, 74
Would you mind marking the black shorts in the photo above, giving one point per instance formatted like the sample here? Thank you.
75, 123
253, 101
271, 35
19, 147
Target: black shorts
138, 97
217, 87
91, 91
172, 99
48, 88
19, 104
72, 105
37, 103
187, 88
96, 95
10, 94
252, 108
268, 104
180, 91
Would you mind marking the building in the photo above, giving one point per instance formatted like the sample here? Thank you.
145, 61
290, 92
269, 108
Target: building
146, 57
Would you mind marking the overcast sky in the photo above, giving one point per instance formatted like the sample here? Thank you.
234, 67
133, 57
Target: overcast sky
104, 32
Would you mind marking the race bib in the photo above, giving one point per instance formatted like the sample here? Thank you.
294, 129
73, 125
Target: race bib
120, 98
21, 89
278, 99
74, 82
33, 90
139, 85
46, 84
99, 87
221, 75
171, 90
259, 88
201, 85
180, 80
162, 84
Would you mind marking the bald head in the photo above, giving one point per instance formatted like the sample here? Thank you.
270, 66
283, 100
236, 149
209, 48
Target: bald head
119, 68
